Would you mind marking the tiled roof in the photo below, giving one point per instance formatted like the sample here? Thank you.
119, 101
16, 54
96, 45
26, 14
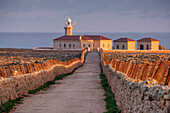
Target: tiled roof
85, 37
73, 37
147, 39
123, 40
97, 37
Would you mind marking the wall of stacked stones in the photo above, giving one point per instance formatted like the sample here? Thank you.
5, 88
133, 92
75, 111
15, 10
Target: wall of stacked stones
135, 94
138, 51
17, 81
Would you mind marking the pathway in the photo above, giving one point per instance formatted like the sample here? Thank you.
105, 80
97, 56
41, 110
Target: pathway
80, 92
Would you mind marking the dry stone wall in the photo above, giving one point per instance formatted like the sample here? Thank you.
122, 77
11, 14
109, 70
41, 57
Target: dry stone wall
16, 86
135, 95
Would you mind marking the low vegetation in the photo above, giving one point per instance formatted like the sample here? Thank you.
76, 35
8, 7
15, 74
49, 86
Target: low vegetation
137, 57
28, 56
110, 100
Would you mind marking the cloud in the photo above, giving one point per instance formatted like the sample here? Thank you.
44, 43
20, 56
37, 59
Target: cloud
166, 16
126, 8
47, 15
2, 12
36, 14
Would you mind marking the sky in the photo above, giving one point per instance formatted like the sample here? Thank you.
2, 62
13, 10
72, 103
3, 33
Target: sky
90, 15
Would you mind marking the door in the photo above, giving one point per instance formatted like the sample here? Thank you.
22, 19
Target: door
141, 47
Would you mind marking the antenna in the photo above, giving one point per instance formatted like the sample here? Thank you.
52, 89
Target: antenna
74, 23
68, 23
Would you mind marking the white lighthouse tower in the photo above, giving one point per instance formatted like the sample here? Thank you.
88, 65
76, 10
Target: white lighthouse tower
69, 27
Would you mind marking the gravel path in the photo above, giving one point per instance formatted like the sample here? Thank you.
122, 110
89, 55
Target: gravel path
80, 92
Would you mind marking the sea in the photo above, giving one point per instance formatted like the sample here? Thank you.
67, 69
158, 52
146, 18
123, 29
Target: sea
30, 40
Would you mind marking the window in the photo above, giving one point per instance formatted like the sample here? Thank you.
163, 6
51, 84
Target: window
103, 45
69, 45
117, 46
89, 45
60, 45
147, 47
73, 45
64, 45
108, 45
123, 47
84, 45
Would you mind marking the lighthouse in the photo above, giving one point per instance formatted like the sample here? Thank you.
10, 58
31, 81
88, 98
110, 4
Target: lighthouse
69, 41
69, 27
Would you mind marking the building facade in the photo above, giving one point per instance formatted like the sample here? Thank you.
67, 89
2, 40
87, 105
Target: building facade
148, 44
100, 42
73, 42
124, 44
79, 42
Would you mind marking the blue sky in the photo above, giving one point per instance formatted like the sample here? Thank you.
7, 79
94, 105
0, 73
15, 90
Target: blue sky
90, 15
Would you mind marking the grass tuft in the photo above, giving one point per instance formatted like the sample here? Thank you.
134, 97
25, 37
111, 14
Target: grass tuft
110, 100
7, 106
46, 85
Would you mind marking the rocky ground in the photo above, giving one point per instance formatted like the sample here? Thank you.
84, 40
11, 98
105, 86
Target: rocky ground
10, 56
138, 57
